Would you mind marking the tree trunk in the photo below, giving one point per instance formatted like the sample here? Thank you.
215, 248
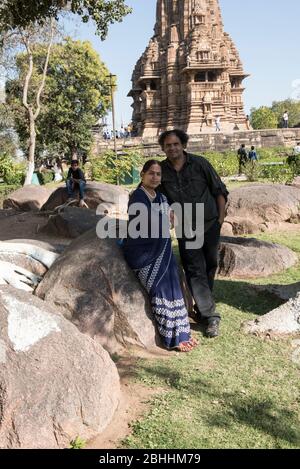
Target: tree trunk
32, 141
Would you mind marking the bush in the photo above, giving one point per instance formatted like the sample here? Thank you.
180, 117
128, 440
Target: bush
108, 168
280, 174
225, 163
11, 173
252, 170
294, 163
45, 177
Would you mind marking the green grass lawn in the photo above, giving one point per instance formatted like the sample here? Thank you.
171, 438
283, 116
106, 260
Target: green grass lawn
236, 391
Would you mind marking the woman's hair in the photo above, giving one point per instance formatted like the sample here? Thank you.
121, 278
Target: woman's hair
183, 137
147, 166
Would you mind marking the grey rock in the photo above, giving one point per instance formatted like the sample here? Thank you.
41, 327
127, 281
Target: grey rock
55, 383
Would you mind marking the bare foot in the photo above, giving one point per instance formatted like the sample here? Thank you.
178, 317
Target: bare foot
184, 347
194, 342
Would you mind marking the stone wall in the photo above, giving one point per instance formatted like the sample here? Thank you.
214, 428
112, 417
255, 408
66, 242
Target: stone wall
218, 141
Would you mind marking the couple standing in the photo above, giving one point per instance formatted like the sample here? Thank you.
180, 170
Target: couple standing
184, 179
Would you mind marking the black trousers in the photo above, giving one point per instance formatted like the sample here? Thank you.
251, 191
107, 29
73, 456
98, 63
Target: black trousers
200, 266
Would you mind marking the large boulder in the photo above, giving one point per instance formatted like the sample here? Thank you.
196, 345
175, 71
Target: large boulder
250, 209
281, 321
28, 198
93, 286
71, 223
25, 261
114, 199
250, 258
55, 383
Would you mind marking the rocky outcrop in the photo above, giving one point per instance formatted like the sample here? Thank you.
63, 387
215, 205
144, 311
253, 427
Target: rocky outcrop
113, 199
250, 258
252, 208
28, 198
22, 264
71, 222
94, 288
281, 321
55, 383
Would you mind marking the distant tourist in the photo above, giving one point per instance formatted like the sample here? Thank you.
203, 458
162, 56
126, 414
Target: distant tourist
285, 119
248, 127
58, 171
76, 179
252, 155
242, 157
218, 123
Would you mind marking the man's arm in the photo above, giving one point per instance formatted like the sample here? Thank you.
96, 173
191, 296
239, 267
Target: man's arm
221, 203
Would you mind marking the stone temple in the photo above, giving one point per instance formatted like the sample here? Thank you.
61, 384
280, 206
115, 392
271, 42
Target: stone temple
190, 74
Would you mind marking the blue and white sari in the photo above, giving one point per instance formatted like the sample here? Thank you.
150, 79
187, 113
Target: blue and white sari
153, 262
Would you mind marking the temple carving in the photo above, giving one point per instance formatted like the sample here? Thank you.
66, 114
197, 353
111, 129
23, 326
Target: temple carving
190, 74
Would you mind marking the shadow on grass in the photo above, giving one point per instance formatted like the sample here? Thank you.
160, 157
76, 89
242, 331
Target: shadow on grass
240, 295
225, 409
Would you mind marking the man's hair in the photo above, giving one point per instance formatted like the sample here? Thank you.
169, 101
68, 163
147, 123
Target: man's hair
243, 145
252, 148
183, 137
74, 162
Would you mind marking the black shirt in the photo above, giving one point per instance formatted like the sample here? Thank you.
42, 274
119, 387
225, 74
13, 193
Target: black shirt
196, 182
76, 174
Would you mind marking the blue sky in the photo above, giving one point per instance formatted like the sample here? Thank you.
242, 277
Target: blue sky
266, 33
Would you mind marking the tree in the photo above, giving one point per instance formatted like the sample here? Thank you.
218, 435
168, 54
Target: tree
263, 118
33, 84
76, 95
291, 106
21, 14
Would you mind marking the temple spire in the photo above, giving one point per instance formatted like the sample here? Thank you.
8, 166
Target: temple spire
189, 74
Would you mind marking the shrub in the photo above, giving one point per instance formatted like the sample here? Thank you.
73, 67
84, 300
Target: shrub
252, 170
294, 163
45, 177
280, 174
12, 173
224, 163
108, 168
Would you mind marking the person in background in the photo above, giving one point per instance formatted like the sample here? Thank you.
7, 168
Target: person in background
76, 179
242, 157
252, 155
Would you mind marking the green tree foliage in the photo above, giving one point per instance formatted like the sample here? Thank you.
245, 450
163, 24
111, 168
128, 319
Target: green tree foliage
289, 105
16, 13
263, 118
108, 168
75, 96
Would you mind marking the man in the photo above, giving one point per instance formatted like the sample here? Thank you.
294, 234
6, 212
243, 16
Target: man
218, 124
242, 157
191, 179
285, 118
252, 155
75, 179
247, 120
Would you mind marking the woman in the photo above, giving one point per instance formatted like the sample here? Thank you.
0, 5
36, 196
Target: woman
152, 259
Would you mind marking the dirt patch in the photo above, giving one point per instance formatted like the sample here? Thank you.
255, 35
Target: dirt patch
135, 402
